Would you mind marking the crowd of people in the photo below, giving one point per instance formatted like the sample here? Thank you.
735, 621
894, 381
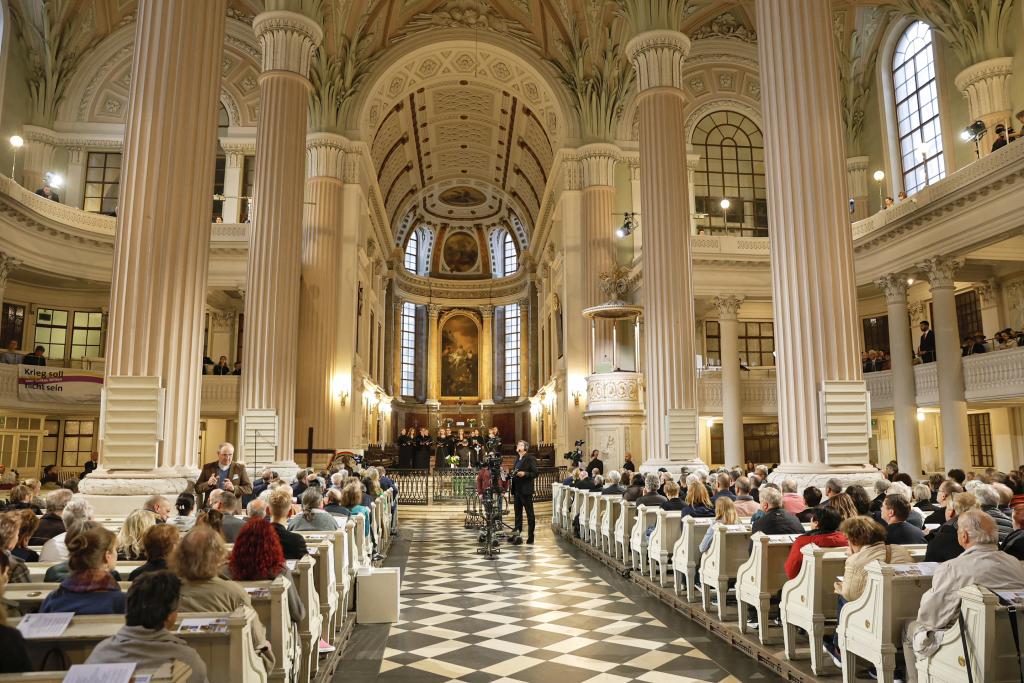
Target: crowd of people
979, 538
875, 360
183, 546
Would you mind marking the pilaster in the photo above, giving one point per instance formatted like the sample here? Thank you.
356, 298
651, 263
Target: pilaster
728, 307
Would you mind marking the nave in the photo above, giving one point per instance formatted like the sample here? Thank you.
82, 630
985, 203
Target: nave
541, 613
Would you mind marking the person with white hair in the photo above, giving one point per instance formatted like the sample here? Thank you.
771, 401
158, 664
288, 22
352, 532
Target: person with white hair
775, 519
613, 488
982, 563
224, 473
51, 524
651, 497
880, 486
988, 500
76, 512
792, 501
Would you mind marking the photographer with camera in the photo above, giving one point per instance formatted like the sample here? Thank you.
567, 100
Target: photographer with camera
524, 471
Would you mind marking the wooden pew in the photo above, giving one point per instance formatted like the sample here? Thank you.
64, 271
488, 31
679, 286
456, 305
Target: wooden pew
361, 557
762, 576
721, 562
574, 510
583, 512
624, 530
639, 541
565, 516
686, 554
609, 518
667, 530
174, 672
228, 656
311, 626
989, 639
871, 627
594, 519
342, 562
556, 504
326, 586
37, 570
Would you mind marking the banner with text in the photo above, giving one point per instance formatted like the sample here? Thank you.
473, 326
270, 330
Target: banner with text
60, 385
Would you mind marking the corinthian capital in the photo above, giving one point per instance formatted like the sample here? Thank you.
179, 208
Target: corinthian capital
894, 286
658, 58
728, 306
331, 156
598, 164
941, 270
287, 40
7, 264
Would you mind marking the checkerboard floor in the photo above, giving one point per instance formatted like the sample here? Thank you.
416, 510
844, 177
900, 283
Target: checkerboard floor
534, 615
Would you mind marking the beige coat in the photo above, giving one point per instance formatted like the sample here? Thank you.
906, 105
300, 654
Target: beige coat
221, 595
855, 578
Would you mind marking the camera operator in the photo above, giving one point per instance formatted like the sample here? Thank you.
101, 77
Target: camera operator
595, 463
524, 471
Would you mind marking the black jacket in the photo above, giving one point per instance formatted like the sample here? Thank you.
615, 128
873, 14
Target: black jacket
50, 525
613, 490
943, 544
632, 493
938, 516
293, 544
651, 500
595, 464
523, 486
672, 504
903, 533
1014, 544
15, 659
628, 466
778, 521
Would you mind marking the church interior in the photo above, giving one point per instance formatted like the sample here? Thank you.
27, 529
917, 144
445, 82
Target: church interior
485, 258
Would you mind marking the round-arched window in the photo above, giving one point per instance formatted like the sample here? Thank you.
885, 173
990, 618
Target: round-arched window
729, 185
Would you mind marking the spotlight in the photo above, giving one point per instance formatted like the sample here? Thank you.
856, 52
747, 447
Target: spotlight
54, 179
725, 204
627, 226
17, 141
975, 131
879, 176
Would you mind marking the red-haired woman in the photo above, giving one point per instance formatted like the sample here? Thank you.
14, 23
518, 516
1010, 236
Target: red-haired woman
257, 556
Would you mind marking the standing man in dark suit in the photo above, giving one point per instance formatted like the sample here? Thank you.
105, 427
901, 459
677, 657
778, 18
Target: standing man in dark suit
926, 349
223, 474
524, 471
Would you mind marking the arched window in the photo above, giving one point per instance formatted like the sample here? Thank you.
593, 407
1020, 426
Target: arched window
408, 382
731, 167
513, 342
509, 255
412, 253
917, 108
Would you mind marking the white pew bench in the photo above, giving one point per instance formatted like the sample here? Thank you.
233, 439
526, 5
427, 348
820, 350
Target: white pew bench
760, 577
663, 539
173, 672
721, 562
556, 503
565, 513
609, 518
871, 627
311, 626
583, 512
686, 554
624, 530
594, 519
638, 539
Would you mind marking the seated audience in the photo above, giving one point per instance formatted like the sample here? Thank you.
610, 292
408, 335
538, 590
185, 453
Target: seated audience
29, 522
843, 504
698, 502
351, 497
635, 489
943, 544
746, 506
584, 482
988, 501
15, 659
651, 497
20, 498
824, 533
833, 487
775, 519
227, 504
146, 639
158, 542
957, 475
335, 507
211, 519
725, 513
197, 561
51, 524
185, 505
923, 499
90, 588
257, 507
981, 563
723, 482
10, 528
313, 516
942, 494
1014, 542
613, 488
903, 490
898, 531
301, 483
159, 506
257, 556
672, 495
280, 509
129, 538
812, 498
859, 496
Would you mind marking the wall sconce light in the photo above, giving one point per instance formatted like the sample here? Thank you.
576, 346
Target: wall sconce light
920, 415
879, 176
342, 398
17, 142
576, 397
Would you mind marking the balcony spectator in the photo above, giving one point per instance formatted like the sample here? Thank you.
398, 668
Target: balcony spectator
47, 192
889, 202
1001, 139
222, 367
11, 355
973, 344
926, 347
238, 368
1005, 340
91, 464
901, 196
35, 358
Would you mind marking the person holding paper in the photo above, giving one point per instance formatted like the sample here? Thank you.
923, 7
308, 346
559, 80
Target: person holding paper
145, 638
90, 588
224, 474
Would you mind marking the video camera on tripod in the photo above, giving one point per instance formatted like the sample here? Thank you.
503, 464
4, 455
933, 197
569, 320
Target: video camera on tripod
576, 455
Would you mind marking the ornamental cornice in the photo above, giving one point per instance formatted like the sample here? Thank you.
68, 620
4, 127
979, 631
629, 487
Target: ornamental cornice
287, 40
941, 270
42, 135
727, 305
658, 58
894, 286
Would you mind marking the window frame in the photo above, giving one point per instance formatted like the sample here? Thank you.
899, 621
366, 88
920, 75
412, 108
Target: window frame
512, 342
88, 195
919, 98
407, 338
744, 343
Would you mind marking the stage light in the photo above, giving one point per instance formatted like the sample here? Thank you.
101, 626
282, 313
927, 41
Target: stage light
725, 204
17, 141
54, 180
628, 225
879, 176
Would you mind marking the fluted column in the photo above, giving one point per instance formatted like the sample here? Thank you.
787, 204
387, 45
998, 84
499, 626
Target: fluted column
318, 375
434, 354
524, 347
670, 361
956, 445
598, 204
162, 243
275, 246
813, 286
487, 354
7, 265
732, 398
986, 86
904, 388
857, 180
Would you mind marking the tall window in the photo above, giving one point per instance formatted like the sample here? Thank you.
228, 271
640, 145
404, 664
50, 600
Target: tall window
412, 253
85, 335
513, 340
917, 108
756, 343
731, 149
408, 349
102, 180
220, 165
509, 255
968, 313
876, 333
248, 183
51, 332
979, 429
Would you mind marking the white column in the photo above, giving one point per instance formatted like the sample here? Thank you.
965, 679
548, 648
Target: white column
232, 186
986, 85
269, 353
74, 189
434, 355
161, 248
732, 398
956, 445
857, 180
487, 355
670, 362
813, 285
598, 223
692, 164
904, 389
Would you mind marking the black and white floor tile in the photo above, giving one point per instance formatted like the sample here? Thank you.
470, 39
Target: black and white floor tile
537, 614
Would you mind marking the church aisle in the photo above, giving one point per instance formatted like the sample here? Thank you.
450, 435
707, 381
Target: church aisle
538, 614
